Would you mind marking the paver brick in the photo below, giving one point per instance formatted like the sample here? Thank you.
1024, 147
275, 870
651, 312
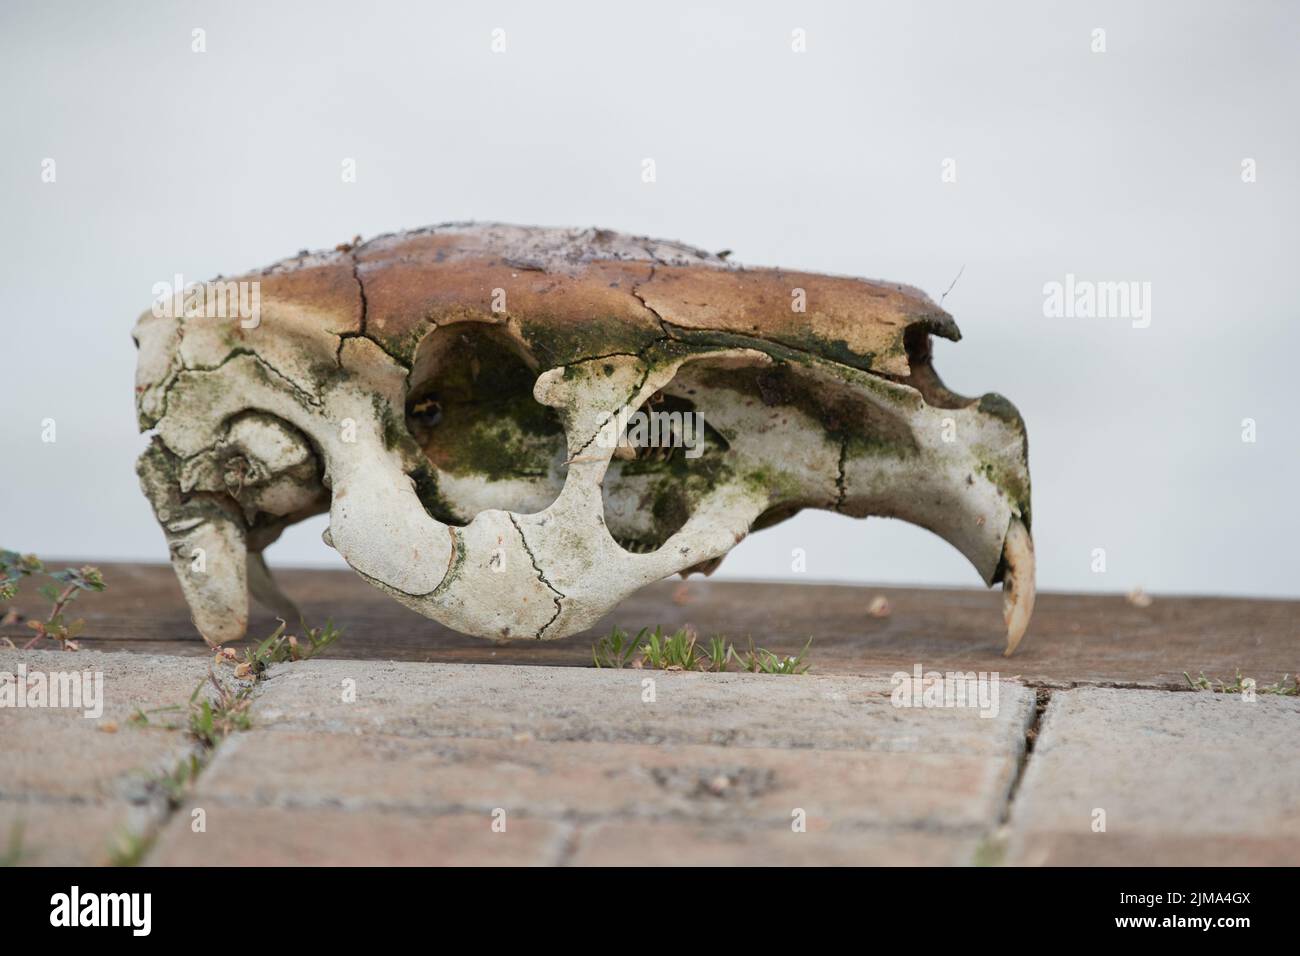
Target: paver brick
74, 786
1182, 778
550, 703
715, 764
254, 836
585, 780
56, 833
677, 844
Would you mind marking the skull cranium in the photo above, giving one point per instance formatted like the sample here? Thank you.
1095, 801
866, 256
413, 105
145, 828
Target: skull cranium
458, 398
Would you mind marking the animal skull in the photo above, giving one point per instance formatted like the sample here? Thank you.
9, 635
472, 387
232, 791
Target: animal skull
455, 397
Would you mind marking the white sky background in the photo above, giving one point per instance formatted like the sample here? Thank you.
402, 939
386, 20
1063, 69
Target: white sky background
1124, 165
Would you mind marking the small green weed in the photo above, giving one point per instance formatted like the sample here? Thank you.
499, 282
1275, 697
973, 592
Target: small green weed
63, 590
682, 650
616, 650
765, 662
1288, 686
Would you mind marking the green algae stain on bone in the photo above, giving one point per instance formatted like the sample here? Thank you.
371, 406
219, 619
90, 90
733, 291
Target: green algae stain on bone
477, 415
1011, 481
800, 350
1000, 407
557, 342
394, 433
860, 424
772, 484
456, 569
501, 448
672, 486
431, 498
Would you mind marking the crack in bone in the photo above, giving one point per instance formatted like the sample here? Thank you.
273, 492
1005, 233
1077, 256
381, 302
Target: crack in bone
302, 392
365, 307
671, 327
841, 481
636, 390
174, 369
541, 576
639, 355
390, 589
294, 387
636, 292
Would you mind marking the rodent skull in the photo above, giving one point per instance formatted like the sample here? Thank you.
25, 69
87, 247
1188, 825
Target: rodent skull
514, 428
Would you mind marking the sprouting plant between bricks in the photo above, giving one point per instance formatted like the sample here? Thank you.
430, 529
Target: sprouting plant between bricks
225, 710
683, 651
1288, 686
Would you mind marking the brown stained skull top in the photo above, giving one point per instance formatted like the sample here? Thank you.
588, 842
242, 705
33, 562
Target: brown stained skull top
513, 428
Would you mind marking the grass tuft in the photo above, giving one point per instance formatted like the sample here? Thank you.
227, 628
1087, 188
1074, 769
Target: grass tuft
1288, 686
765, 662
616, 650
682, 650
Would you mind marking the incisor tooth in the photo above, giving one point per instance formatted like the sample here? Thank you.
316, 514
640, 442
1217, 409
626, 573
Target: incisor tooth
1017, 584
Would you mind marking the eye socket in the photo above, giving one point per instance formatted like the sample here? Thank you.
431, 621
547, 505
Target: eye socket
487, 442
474, 413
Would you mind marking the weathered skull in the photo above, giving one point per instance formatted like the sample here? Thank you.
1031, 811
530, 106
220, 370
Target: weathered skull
456, 398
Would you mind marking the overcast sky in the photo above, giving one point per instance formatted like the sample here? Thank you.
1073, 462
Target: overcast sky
1128, 164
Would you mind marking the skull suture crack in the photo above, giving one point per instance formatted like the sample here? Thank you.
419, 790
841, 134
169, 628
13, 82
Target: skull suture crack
469, 402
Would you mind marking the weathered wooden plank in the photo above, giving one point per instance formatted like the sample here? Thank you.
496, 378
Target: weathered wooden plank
1074, 638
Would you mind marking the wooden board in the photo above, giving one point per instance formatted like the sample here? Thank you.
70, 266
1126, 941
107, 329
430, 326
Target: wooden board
1074, 638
